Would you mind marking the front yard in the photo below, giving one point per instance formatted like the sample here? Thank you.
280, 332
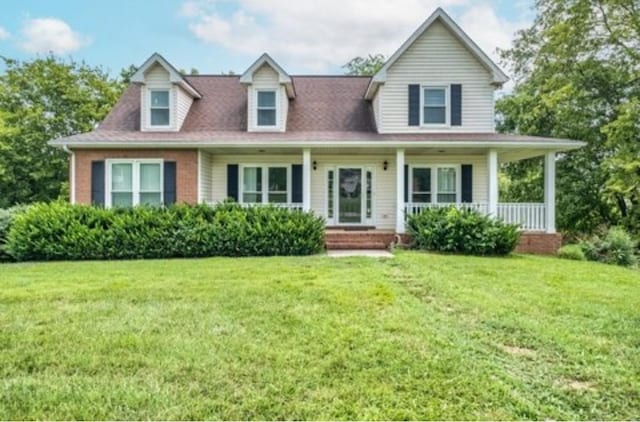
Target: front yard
418, 336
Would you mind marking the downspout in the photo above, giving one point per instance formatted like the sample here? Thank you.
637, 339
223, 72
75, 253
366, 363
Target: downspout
72, 175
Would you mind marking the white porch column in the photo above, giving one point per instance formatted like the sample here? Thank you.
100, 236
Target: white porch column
306, 179
550, 191
492, 170
400, 223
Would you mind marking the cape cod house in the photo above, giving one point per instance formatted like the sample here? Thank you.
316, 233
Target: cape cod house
364, 152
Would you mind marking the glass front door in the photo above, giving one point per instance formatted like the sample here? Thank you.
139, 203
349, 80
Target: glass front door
350, 196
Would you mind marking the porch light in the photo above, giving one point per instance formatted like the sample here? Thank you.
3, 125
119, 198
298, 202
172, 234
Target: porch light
315, 165
385, 165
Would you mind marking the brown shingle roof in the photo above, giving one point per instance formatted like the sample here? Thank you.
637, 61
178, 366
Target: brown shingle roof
322, 103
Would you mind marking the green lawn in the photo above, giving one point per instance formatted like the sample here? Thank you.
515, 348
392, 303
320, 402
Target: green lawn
418, 336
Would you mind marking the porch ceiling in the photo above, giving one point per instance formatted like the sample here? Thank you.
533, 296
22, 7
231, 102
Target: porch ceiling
348, 151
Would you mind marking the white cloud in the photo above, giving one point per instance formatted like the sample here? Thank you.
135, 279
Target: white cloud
314, 36
4, 34
42, 35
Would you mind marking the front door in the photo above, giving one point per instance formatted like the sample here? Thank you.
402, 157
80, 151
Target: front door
350, 196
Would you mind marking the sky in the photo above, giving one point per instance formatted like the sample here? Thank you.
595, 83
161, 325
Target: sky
214, 36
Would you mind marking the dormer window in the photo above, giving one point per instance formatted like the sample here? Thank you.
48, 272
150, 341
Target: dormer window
159, 107
434, 105
266, 113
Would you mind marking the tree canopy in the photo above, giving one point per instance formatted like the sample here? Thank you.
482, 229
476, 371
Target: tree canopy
577, 73
364, 66
40, 100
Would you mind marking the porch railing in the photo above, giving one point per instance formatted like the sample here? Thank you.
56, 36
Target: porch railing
296, 206
530, 216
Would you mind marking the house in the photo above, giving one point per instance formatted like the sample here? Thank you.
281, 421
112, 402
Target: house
364, 152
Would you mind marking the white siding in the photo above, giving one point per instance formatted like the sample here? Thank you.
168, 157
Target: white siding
384, 182
179, 101
437, 58
205, 181
183, 104
377, 109
267, 78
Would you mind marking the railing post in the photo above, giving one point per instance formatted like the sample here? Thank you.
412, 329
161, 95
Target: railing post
492, 170
306, 179
550, 191
400, 220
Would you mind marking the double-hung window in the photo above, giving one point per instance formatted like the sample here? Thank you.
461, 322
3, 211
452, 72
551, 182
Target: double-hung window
134, 182
434, 106
275, 190
435, 185
266, 108
159, 114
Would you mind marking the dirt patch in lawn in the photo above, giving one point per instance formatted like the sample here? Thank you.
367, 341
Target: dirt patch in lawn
577, 385
519, 351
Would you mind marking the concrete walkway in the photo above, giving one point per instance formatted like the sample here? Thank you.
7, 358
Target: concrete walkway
372, 253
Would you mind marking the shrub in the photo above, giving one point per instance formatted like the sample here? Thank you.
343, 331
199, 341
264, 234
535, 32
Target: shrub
60, 231
615, 247
6, 218
573, 252
462, 231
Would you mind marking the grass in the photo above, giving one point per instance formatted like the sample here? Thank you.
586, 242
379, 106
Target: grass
418, 336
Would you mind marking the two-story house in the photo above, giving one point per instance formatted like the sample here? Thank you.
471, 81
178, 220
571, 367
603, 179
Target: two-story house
363, 152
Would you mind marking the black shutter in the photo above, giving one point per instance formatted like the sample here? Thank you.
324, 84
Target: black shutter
414, 105
232, 181
456, 105
406, 183
296, 183
467, 183
97, 183
169, 182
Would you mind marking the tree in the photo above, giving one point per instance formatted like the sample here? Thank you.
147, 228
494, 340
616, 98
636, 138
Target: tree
365, 66
577, 70
40, 100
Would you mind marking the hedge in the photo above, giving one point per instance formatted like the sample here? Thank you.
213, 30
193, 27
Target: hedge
468, 232
59, 231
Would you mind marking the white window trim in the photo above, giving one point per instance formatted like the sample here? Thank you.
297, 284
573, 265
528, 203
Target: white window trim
135, 174
159, 127
447, 105
276, 108
434, 181
264, 169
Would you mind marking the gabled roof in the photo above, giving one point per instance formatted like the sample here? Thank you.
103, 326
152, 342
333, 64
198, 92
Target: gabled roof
174, 75
283, 77
499, 77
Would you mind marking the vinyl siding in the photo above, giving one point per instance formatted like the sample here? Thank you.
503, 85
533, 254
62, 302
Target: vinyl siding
267, 78
183, 104
205, 181
384, 182
437, 58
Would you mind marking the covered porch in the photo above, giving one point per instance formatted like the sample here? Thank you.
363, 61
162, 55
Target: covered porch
374, 188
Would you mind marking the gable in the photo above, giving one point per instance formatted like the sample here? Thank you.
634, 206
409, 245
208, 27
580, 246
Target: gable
157, 75
439, 50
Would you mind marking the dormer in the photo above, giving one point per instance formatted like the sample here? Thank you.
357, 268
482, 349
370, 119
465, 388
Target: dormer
269, 89
439, 80
165, 95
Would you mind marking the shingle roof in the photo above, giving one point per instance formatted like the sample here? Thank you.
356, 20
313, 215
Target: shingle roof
322, 103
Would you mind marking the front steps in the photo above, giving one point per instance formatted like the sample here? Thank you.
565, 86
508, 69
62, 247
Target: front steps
352, 239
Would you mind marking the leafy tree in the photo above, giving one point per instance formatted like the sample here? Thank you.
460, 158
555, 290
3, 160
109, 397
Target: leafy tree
40, 100
577, 70
365, 66
126, 74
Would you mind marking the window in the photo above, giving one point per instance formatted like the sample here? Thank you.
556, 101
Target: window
276, 190
266, 108
441, 188
421, 185
434, 106
447, 185
159, 107
134, 182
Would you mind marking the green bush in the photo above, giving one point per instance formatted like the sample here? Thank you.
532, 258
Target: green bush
572, 252
6, 218
614, 247
462, 231
60, 231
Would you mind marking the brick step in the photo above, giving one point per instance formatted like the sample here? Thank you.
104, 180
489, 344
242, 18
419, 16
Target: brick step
355, 245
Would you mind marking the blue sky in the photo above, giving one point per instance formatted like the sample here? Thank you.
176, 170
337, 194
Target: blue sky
221, 35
